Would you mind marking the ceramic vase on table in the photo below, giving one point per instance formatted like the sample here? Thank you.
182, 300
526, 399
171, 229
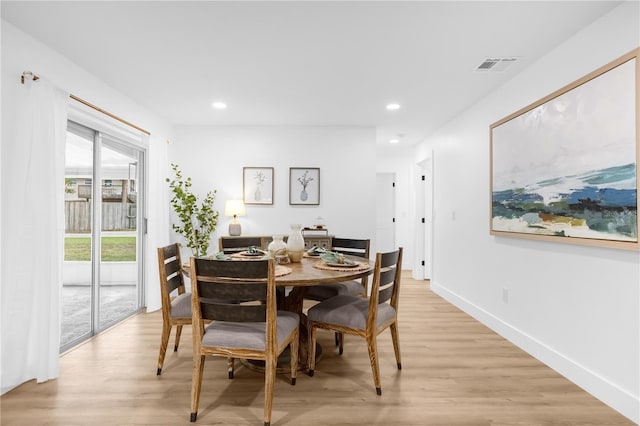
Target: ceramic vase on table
277, 247
295, 243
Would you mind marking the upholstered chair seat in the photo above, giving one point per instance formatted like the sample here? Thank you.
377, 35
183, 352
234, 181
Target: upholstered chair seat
181, 306
248, 335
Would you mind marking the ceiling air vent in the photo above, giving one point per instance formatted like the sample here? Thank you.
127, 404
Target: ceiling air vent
496, 63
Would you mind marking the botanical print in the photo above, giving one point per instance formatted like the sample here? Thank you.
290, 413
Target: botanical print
567, 167
259, 179
304, 181
304, 186
258, 185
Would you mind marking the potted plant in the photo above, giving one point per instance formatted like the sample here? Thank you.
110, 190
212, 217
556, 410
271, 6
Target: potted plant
197, 220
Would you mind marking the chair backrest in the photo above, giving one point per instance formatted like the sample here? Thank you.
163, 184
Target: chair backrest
386, 282
238, 291
351, 247
170, 270
237, 244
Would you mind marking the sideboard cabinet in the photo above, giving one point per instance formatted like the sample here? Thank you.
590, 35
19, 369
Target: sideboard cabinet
228, 243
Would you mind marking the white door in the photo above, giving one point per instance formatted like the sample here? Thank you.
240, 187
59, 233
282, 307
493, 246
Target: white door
385, 212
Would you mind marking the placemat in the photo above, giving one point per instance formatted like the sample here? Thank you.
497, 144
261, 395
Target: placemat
359, 267
240, 256
282, 270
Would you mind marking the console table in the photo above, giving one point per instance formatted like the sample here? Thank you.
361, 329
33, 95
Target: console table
318, 239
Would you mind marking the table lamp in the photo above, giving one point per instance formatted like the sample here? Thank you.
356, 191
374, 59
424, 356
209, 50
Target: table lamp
234, 208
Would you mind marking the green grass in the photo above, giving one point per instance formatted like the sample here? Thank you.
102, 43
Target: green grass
114, 249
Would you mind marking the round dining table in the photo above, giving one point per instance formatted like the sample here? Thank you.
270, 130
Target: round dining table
294, 278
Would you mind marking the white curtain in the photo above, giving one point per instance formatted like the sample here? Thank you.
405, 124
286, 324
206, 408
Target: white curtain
33, 234
158, 225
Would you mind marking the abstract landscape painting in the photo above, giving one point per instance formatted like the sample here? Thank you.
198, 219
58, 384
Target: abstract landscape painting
565, 168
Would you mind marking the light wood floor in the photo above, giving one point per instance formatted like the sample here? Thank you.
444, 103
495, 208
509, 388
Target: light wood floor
455, 372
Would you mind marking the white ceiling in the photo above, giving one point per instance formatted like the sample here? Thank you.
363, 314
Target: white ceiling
304, 63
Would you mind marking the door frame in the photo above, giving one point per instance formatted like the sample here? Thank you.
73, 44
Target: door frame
424, 209
112, 139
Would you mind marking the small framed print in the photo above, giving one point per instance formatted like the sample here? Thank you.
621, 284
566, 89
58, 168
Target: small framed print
304, 186
257, 185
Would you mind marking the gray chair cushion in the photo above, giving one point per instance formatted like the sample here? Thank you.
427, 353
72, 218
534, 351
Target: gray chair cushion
326, 291
248, 335
349, 311
181, 306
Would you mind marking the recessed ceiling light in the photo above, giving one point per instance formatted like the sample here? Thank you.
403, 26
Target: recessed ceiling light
219, 105
392, 107
394, 141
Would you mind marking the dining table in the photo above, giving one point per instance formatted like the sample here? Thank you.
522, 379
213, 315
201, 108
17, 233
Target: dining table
293, 279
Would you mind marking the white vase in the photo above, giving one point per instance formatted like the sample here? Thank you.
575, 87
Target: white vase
295, 243
277, 247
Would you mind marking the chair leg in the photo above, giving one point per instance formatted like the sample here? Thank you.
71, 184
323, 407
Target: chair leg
178, 333
269, 383
396, 343
337, 338
341, 343
372, 346
293, 348
230, 366
312, 348
164, 342
196, 384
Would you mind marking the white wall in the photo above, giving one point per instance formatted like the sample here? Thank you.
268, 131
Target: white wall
214, 157
21, 52
575, 308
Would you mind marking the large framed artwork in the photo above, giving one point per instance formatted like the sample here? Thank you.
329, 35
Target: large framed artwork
257, 185
304, 186
565, 167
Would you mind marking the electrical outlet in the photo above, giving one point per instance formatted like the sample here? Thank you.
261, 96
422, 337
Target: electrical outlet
505, 295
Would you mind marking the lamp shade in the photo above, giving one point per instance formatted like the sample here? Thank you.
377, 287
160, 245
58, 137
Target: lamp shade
234, 208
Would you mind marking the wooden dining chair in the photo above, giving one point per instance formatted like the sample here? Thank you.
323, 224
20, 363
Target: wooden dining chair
364, 317
320, 292
353, 247
231, 245
240, 299
175, 310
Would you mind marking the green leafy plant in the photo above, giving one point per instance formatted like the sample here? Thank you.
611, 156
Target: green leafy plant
197, 221
68, 186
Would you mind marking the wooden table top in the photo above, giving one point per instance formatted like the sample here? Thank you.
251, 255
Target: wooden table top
305, 274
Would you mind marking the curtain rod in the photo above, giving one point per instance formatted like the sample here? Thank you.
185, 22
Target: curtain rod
32, 76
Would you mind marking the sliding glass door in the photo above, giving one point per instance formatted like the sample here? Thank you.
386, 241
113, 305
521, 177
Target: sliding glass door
102, 272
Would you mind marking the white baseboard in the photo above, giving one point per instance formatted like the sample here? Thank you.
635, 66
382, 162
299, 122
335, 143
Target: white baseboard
619, 399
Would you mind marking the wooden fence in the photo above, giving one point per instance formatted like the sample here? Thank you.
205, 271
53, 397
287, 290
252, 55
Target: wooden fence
115, 216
